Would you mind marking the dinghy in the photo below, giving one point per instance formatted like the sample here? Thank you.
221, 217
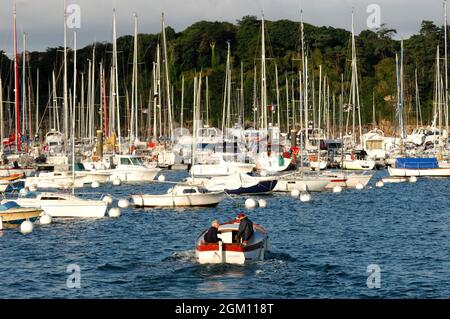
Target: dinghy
230, 251
180, 196
13, 214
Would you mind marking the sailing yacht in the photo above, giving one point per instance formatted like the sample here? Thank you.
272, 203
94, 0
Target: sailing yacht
355, 159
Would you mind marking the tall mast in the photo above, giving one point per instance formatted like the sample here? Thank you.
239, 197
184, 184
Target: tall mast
155, 98
263, 77
166, 67
37, 103
418, 112
287, 105
66, 102
16, 83
74, 105
116, 80
305, 79
92, 102
24, 86
182, 102
446, 67
207, 101
134, 91
242, 96
278, 96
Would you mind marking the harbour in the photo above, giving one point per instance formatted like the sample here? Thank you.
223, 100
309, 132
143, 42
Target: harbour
224, 162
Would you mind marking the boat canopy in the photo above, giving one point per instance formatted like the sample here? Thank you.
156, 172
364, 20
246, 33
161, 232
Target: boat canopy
8, 205
417, 163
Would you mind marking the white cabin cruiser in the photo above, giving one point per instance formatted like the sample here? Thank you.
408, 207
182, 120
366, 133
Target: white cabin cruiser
131, 168
229, 250
180, 196
217, 166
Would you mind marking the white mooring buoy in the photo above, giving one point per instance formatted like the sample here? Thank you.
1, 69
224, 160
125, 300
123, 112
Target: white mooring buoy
295, 193
337, 189
107, 199
95, 184
262, 203
305, 197
161, 178
379, 184
250, 203
123, 203
114, 212
359, 186
413, 179
117, 181
26, 227
45, 219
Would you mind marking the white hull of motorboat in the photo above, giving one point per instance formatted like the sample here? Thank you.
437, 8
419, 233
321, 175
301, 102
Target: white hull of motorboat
94, 176
432, 172
358, 165
179, 196
65, 206
134, 174
231, 252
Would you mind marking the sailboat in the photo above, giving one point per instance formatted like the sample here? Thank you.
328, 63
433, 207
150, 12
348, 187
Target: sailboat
182, 195
270, 161
357, 159
60, 204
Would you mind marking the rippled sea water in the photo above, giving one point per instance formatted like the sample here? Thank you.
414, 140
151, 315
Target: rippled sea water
320, 249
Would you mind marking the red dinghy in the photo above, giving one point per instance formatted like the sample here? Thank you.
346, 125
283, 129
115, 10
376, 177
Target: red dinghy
230, 251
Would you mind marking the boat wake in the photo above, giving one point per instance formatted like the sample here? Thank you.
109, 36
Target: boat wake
182, 256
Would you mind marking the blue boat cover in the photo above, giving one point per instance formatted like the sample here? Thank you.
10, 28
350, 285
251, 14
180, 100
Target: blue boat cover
8, 205
417, 163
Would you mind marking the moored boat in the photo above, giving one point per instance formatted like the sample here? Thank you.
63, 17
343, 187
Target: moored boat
418, 167
13, 214
180, 196
64, 205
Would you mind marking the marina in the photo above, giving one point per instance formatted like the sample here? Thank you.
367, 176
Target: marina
170, 165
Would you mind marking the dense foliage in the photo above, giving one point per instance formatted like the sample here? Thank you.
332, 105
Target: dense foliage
202, 47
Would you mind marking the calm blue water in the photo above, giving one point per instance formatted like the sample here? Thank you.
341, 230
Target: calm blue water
320, 249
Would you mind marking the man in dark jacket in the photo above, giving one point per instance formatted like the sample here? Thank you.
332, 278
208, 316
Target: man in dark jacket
245, 228
211, 235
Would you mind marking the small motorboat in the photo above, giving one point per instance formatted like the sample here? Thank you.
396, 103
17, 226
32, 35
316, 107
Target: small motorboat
180, 196
63, 205
230, 251
12, 214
